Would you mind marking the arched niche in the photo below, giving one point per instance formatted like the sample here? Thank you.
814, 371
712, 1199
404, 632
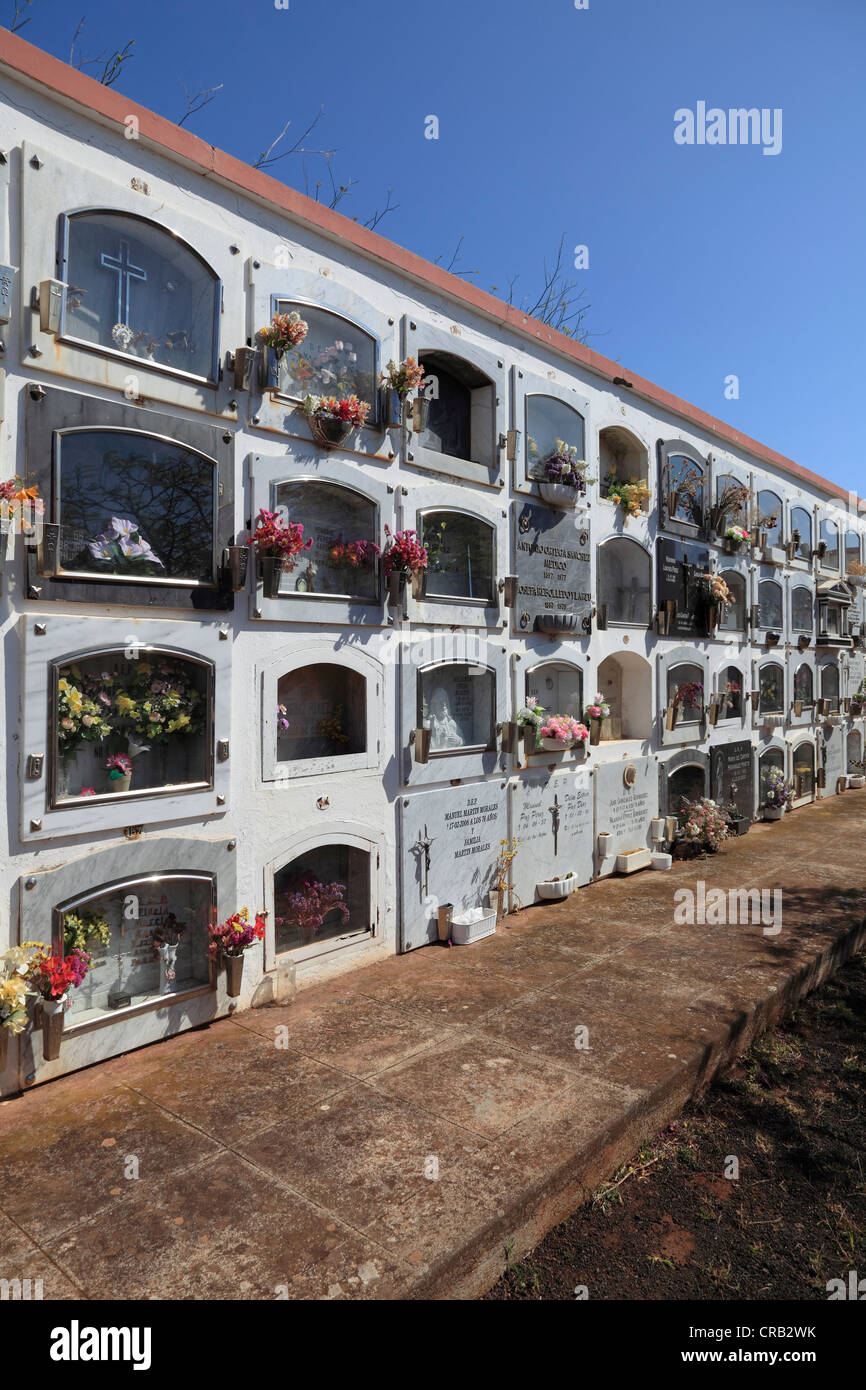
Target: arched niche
625, 682
683, 488
624, 583
804, 685
557, 686
136, 290
338, 357
771, 685
829, 535
550, 421
770, 610
339, 520
854, 750
730, 693
770, 759
802, 609
462, 407
829, 675
769, 521
321, 711
734, 616
457, 704
461, 556
683, 776
622, 458
801, 532
803, 771
322, 891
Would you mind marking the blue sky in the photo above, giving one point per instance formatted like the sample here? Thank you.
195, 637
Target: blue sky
704, 261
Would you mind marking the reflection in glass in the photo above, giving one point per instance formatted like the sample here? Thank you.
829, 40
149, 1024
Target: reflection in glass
547, 421
135, 288
337, 358
770, 517
685, 485
150, 939
801, 522
338, 520
135, 507
321, 895
624, 582
801, 609
459, 556
804, 769
830, 686
457, 705
803, 685
686, 681
830, 536
772, 690
770, 605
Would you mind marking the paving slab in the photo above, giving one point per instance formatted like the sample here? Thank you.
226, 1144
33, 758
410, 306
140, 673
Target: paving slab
385, 1135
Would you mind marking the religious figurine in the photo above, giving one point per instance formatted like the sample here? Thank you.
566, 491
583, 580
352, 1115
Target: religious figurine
166, 939
444, 731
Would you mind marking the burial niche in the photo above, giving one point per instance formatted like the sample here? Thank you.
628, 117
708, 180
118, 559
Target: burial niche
801, 524
686, 692
460, 557
804, 769
136, 290
321, 895
457, 703
147, 939
337, 358
855, 752
852, 552
830, 685
731, 690
684, 483
625, 681
557, 687
321, 713
343, 561
769, 520
830, 537
621, 459
685, 784
129, 727
135, 507
801, 609
462, 408
804, 685
771, 761
733, 617
625, 583
770, 605
549, 424
772, 689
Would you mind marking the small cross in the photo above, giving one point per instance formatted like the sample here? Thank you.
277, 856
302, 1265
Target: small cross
424, 846
554, 812
126, 272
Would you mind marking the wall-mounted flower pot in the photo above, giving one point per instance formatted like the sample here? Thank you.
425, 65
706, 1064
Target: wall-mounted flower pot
798, 709
821, 777
773, 639
556, 745
671, 716
803, 641
559, 494
234, 974
52, 1027
246, 368
605, 844
390, 407
557, 622
48, 551
508, 736
662, 622
329, 432
556, 887
823, 708
846, 704
421, 745
773, 812
420, 414
234, 562
712, 620
841, 785
419, 585
713, 711
528, 735
272, 569
755, 698
732, 546
509, 591
396, 583
595, 731
444, 913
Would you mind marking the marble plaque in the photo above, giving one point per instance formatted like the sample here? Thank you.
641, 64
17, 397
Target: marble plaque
7, 280
450, 840
834, 744
626, 800
552, 563
732, 776
551, 816
678, 563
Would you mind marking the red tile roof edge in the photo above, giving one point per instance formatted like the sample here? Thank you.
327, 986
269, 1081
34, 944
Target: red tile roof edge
59, 79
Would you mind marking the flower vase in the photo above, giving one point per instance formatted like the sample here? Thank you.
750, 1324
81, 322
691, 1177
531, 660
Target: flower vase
595, 731
774, 812
419, 584
167, 952
328, 431
558, 494
120, 784
234, 974
272, 571
556, 745
52, 1027
420, 414
396, 585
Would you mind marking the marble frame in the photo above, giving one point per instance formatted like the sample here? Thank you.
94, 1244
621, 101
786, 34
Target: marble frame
424, 652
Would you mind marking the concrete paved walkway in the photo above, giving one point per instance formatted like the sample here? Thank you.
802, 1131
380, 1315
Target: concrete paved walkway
425, 1111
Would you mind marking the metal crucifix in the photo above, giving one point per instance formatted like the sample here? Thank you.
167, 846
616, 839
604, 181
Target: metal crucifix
126, 272
554, 813
424, 847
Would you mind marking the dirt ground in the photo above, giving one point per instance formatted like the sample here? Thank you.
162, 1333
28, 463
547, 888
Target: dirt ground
671, 1225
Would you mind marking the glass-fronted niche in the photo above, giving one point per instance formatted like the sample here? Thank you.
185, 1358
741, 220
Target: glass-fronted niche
135, 289
771, 679
338, 357
322, 898
465, 392
551, 423
147, 939
557, 686
122, 727
457, 703
343, 560
773, 760
801, 533
138, 504
624, 583
461, 557
684, 488
803, 770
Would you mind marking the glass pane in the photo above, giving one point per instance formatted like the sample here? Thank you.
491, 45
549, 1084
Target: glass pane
624, 582
770, 761
136, 289
549, 420
735, 513
852, 552
803, 685
336, 519
830, 535
321, 713
685, 485
146, 939
449, 425
830, 685
685, 689
130, 726
770, 605
803, 763
801, 521
772, 680
732, 689
734, 614
557, 688
457, 704
322, 894
135, 507
337, 358
855, 751
801, 609
459, 556
770, 517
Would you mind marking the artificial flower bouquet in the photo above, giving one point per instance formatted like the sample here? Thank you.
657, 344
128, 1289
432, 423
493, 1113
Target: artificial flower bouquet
237, 934
703, 825
714, 590
403, 553
19, 504
118, 765
632, 496
276, 539
777, 791
52, 976
690, 694
80, 715
353, 555
159, 701
599, 709
81, 927
564, 467
348, 410
403, 378
561, 728
123, 549
739, 534
284, 331
15, 985
307, 902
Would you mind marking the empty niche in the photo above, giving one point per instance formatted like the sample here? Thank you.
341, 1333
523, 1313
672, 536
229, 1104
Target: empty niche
625, 682
321, 713
462, 399
322, 895
621, 459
